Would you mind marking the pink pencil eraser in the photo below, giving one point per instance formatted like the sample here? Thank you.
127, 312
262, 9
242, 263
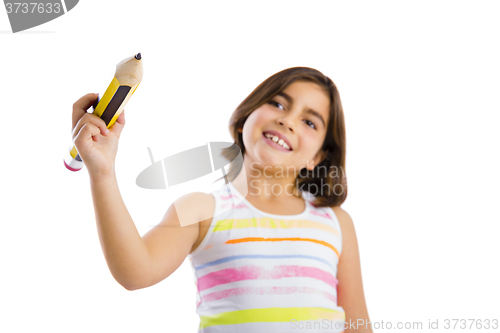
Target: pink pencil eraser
70, 168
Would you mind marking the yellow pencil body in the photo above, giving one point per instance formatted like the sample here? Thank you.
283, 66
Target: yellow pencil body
127, 78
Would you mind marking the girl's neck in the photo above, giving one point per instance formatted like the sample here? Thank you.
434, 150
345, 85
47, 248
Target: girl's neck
270, 185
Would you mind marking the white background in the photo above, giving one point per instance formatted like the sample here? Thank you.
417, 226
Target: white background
419, 83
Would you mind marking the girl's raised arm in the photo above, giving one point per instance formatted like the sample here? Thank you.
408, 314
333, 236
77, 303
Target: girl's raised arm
134, 262
350, 293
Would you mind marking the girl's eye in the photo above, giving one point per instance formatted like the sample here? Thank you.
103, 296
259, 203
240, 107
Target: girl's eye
275, 103
306, 120
314, 126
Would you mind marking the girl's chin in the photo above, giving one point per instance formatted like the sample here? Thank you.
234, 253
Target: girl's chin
270, 160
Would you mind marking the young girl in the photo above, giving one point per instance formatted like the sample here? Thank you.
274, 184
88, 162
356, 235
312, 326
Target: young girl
273, 251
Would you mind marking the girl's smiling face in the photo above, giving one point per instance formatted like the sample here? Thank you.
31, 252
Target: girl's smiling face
299, 115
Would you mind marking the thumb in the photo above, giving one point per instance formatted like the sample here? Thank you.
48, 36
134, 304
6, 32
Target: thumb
119, 124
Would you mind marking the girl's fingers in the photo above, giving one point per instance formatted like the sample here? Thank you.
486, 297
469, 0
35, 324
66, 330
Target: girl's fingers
80, 107
92, 119
87, 132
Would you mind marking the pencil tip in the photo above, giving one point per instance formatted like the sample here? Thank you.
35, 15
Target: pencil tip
138, 56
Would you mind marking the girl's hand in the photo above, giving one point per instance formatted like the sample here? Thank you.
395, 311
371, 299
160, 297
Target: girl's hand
96, 144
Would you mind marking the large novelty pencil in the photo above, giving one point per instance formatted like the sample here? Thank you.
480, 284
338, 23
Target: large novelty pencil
128, 76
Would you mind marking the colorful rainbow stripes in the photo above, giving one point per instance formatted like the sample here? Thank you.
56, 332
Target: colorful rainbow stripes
258, 273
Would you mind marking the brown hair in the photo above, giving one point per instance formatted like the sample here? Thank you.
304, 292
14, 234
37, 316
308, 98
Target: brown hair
334, 145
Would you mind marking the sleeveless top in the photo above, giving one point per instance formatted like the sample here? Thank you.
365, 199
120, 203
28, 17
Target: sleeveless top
260, 272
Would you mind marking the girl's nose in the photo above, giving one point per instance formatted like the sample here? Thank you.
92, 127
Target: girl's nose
287, 122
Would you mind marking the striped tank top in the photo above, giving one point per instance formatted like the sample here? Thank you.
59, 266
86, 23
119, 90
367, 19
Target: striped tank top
263, 273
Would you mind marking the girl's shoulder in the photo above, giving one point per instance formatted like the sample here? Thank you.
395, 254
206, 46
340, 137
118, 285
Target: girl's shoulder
199, 206
344, 218
342, 215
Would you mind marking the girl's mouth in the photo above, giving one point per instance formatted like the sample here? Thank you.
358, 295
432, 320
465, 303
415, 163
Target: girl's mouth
274, 144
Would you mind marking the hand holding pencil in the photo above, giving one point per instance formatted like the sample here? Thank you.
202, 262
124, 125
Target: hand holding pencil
96, 145
89, 128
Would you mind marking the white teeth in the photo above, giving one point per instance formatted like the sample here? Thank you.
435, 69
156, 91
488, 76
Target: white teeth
279, 141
